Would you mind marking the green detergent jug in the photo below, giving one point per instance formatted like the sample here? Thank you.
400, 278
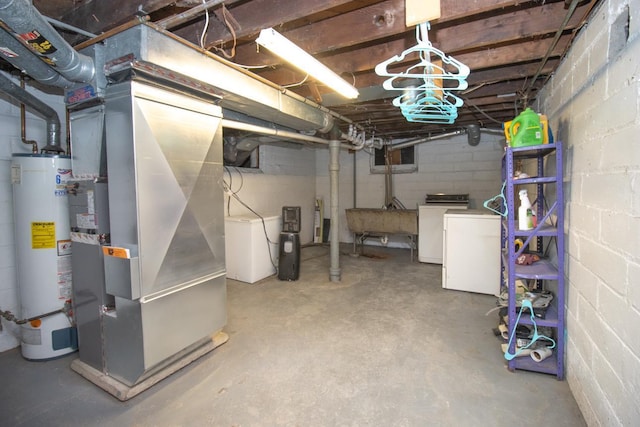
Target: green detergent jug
526, 129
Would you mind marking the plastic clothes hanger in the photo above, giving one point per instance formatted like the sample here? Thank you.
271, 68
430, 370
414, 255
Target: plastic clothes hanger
536, 337
500, 200
429, 109
428, 101
425, 69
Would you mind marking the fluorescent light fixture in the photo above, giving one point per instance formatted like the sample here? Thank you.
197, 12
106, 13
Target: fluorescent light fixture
296, 56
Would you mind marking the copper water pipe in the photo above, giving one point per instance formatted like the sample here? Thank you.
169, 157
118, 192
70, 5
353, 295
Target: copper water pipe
23, 124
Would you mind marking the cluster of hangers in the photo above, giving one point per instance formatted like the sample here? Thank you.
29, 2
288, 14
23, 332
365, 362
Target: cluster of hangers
424, 97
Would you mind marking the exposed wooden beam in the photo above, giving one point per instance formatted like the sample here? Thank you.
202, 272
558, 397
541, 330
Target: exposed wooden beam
259, 14
99, 16
364, 60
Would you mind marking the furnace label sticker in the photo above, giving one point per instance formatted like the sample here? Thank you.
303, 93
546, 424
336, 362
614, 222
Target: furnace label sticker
64, 278
43, 235
64, 247
86, 221
116, 252
80, 94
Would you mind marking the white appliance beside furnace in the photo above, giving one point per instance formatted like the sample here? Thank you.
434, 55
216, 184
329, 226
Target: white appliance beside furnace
471, 253
431, 221
249, 255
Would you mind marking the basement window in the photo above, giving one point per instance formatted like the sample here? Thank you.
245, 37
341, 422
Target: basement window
400, 161
240, 150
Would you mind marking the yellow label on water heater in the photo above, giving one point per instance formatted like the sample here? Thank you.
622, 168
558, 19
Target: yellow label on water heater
43, 235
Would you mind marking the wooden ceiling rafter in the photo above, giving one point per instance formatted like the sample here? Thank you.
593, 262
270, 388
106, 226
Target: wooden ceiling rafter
504, 42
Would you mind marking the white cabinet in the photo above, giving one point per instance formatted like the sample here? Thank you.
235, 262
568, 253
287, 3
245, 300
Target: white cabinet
471, 253
249, 256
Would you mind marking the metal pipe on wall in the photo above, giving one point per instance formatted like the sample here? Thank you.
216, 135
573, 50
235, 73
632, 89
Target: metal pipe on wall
48, 113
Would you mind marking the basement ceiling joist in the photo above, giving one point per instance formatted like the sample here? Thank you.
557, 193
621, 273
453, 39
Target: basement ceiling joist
505, 44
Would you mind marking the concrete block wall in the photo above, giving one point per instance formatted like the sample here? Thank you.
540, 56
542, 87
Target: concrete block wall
593, 102
447, 165
10, 142
286, 178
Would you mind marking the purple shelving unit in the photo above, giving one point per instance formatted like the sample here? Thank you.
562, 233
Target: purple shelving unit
548, 274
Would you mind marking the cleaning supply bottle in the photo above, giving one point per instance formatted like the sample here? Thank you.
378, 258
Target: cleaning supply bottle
526, 129
525, 212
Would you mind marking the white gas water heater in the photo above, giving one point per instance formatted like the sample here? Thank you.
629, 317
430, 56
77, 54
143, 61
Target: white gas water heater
43, 254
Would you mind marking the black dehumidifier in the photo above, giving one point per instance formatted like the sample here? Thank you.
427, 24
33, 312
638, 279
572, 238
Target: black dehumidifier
289, 255
289, 262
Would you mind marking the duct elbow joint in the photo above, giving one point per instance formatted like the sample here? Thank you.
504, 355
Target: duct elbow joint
83, 70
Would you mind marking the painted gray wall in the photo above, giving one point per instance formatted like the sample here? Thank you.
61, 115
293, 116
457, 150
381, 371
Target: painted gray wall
446, 165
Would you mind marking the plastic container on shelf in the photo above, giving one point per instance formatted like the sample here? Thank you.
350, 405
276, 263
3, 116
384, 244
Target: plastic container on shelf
525, 130
525, 212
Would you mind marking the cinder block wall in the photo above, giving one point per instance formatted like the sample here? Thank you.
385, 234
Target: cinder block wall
10, 142
448, 165
286, 178
593, 102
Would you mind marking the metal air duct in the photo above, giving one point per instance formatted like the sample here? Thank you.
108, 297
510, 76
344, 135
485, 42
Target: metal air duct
48, 113
18, 55
25, 22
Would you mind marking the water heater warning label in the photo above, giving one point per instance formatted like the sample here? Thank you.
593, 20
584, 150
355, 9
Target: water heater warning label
43, 235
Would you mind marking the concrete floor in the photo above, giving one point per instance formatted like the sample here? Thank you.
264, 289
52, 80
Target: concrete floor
387, 346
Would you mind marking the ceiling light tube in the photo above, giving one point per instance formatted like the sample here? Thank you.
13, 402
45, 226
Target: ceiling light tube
296, 56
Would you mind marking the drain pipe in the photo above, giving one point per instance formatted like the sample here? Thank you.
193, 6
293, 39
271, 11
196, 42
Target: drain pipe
26, 22
48, 113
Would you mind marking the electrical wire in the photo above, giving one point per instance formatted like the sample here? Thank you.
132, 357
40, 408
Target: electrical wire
482, 112
206, 27
227, 17
299, 83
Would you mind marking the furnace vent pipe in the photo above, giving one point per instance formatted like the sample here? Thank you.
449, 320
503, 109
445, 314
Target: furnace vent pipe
48, 113
27, 23
28, 63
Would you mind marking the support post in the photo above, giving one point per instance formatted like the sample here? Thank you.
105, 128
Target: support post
334, 169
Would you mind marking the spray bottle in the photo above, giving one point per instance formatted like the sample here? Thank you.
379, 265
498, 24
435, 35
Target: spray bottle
525, 212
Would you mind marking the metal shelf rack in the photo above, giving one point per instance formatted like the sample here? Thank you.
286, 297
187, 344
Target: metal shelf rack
548, 274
